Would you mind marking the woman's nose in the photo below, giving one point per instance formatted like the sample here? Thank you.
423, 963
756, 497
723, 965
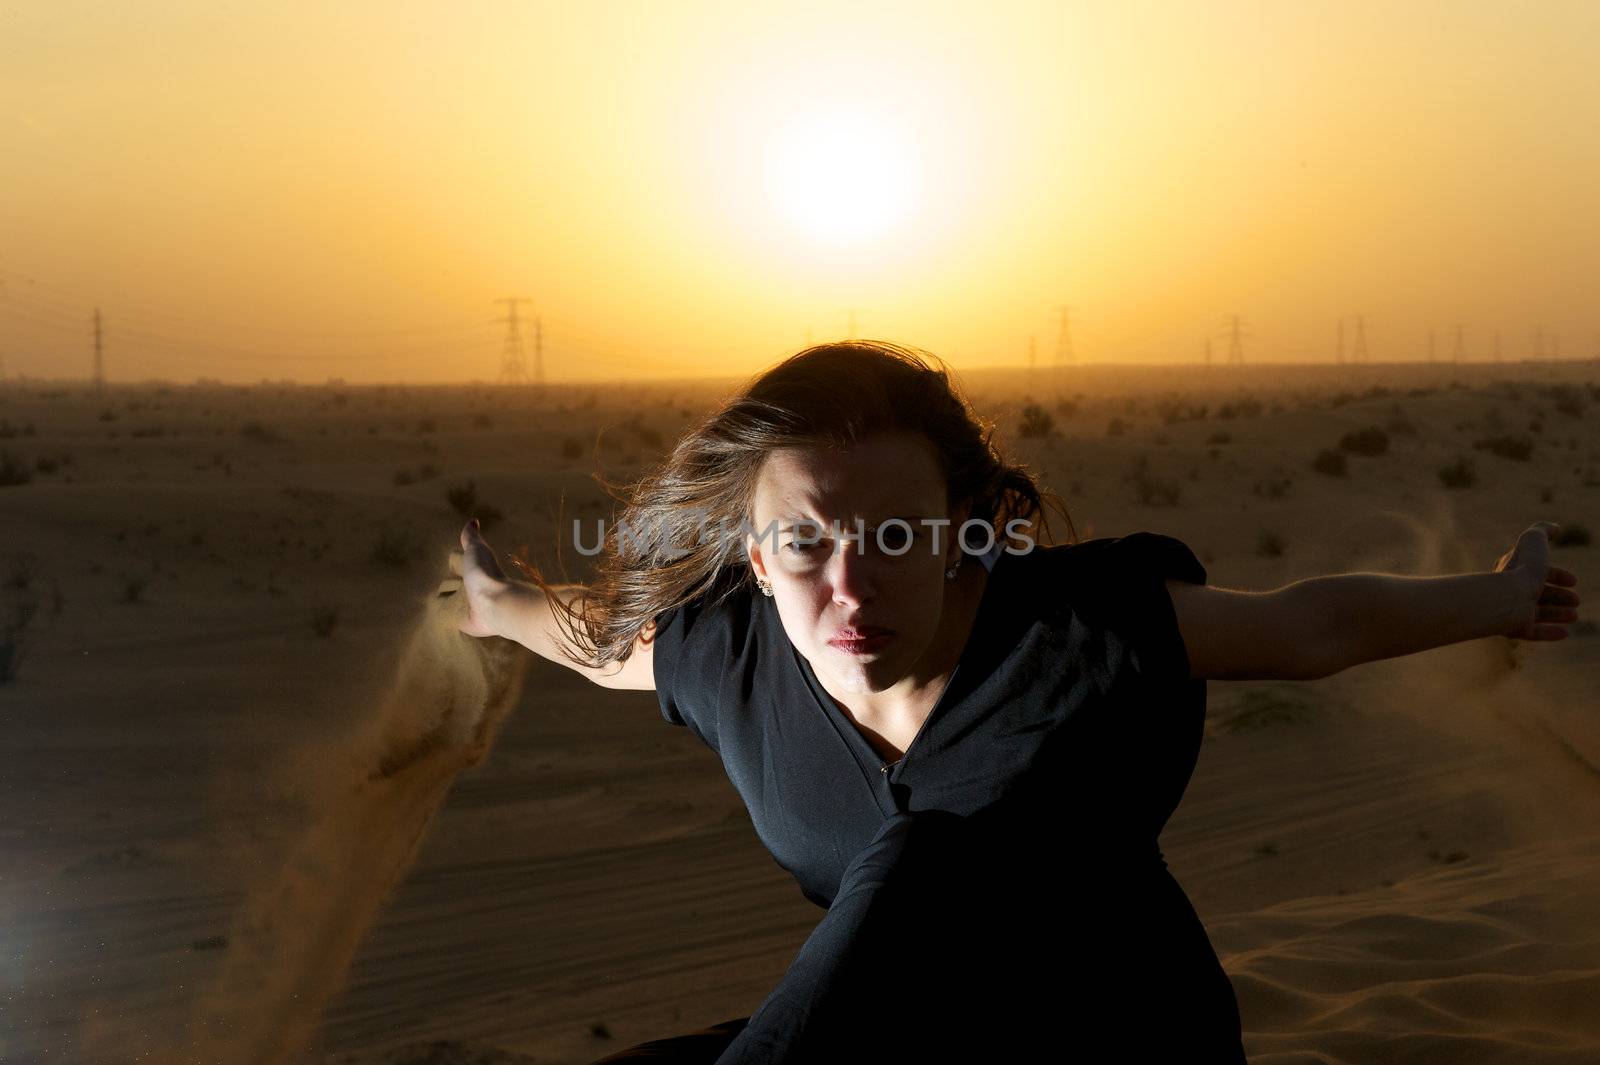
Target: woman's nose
851, 573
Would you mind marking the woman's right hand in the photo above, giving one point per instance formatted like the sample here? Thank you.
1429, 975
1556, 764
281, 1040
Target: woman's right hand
483, 582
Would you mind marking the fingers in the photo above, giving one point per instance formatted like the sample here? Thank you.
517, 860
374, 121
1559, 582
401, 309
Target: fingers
1564, 577
1555, 596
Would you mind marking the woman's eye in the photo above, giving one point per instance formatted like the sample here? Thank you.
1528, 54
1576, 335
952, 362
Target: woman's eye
894, 538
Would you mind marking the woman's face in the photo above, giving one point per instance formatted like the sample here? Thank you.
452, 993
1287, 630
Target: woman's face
860, 595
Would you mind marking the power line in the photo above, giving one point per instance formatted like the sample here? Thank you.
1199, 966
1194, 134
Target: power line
1064, 353
1236, 337
512, 368
99, 357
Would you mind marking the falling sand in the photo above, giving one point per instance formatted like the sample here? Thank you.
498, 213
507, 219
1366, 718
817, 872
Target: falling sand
377, 790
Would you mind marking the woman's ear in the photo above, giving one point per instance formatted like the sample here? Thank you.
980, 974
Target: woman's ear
958, 515
752, 550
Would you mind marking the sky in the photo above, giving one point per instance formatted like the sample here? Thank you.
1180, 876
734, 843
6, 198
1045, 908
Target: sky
311, 191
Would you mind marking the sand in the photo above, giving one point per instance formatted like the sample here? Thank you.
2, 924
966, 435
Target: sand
261, 805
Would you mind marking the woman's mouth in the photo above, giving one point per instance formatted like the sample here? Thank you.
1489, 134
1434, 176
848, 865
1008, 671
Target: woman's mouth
865, 640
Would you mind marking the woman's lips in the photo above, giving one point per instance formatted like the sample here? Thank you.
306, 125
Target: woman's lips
862, 641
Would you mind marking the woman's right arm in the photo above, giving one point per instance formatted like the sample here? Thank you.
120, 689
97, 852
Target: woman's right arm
519, 611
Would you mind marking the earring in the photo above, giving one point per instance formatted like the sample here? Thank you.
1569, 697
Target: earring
766, 589
950, 574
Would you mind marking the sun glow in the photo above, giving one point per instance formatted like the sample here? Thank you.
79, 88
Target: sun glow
843, 179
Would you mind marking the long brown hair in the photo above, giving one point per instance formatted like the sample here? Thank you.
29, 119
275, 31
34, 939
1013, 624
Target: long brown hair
830, 395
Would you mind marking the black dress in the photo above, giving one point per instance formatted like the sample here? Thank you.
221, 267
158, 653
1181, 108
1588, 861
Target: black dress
999, 889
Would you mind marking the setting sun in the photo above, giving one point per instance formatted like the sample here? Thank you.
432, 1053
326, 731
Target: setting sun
842, 179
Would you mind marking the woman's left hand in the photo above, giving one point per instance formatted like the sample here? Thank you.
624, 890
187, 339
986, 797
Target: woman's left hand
1548, 603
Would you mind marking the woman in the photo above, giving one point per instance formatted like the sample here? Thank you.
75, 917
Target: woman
962, 743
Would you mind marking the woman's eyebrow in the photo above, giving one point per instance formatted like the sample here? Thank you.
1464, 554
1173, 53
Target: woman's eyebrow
790, 524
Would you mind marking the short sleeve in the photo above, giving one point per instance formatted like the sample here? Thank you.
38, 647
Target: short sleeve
1130, 573
691, 658
1151, 741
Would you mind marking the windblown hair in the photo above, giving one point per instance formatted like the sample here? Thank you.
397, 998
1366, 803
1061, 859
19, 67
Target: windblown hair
831, 396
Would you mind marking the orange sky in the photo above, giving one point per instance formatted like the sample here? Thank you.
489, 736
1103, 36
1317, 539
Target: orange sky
689, 188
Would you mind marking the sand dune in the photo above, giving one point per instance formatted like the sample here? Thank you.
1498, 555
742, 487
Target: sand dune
1397, 864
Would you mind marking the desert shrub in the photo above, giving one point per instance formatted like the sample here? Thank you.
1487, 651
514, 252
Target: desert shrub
571, 448
12, 640
1568, 400
1330, 462
22, 571
261, 434
1116, 427
1220, 438
1269, 544
1400, 425
324, 620
482, 421
1517, 448
133, 587
1174, 412
1240, 408
646, 434
1066, 408
1571, 536
1459, 474
1036, 421
1272, 487
425, 472
462, 498
465, 502
1369, 441
13, 470
1152, 490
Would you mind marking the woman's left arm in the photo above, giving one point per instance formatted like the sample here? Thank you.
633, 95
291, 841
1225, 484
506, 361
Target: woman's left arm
1319, 626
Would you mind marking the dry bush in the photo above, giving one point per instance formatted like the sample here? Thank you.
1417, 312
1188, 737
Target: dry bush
1152, 490
13, 469
1273, 487
1036, 422
1516, 448
394, 548
324, 620
1330, 462
1368, 441
1459, 474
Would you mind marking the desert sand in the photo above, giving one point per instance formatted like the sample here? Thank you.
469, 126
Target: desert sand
261, 805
